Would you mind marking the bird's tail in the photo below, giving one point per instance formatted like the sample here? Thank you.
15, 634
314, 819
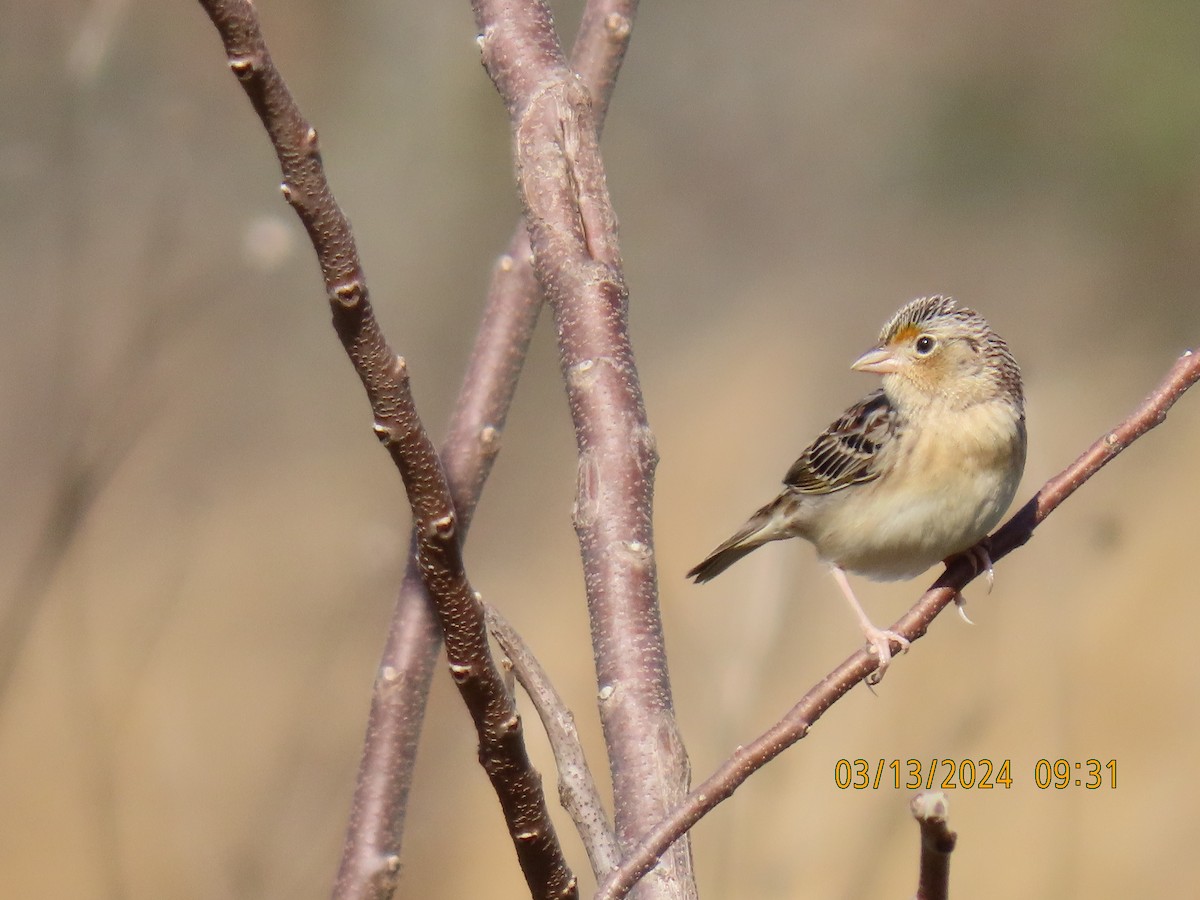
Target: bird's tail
766, 525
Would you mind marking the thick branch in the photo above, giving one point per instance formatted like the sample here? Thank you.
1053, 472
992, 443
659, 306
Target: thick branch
912, 625
385, 378
376, 828
572, 230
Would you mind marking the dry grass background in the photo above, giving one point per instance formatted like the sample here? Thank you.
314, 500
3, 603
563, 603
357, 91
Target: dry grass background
184, 713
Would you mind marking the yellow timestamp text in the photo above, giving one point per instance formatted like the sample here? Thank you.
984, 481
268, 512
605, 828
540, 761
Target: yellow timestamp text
1061, 774
970, 774
911, 774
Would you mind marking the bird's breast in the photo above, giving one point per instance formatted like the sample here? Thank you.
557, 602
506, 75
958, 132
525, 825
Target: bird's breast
943, 487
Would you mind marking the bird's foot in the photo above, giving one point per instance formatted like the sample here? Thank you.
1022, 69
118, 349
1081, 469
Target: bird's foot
878, 639
880, 642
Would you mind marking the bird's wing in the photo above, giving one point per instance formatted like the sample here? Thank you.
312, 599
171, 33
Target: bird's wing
845, 452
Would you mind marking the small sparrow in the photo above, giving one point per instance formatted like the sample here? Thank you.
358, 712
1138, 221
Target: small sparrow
917, 471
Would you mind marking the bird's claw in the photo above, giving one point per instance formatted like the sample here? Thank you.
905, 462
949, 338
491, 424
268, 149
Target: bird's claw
960, 602
981, 564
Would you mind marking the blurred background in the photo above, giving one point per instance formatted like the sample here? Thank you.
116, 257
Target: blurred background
200, 538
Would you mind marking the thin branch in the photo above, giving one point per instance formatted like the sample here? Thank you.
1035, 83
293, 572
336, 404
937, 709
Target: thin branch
913, 624
371, 852
572, 230
930, 810
576, 787
473, 441
385, 377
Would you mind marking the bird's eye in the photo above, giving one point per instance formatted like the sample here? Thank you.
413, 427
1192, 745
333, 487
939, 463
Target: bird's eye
925, 345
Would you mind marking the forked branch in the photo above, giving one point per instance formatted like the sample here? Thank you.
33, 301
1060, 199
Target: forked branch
577, 789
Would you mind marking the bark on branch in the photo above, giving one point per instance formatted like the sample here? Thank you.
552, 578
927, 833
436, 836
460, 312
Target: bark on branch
572, 230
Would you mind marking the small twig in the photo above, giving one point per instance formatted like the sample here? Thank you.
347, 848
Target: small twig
385, 377
572, 230
795, 725
930, 810
576, 787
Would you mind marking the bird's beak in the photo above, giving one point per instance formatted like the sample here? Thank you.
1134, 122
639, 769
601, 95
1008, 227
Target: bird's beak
878, 360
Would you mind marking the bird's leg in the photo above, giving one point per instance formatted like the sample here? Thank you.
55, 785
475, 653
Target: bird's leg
878, 638
981, 562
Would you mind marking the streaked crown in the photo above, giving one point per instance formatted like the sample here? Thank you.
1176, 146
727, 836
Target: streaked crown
923, 310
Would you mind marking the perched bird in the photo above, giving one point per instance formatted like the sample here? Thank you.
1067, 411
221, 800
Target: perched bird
916, 472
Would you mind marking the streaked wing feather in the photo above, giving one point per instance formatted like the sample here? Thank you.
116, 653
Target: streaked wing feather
844, 453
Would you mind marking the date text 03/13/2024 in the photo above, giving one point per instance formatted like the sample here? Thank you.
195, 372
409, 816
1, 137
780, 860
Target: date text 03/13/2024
972, 774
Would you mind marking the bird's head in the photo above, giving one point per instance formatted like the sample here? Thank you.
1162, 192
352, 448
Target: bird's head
933, 350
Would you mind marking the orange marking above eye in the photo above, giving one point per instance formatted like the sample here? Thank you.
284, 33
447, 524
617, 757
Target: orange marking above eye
905, 334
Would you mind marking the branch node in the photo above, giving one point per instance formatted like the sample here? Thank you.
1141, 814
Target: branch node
527, 836
612, 287
459, 672
578, 375
644, 435
506, 263
243, 67
484, 41
312, 145
618, 26
389, 673
286, 190
606, 693
392, 863
442, 527
349, 294
489, 439
384, 432
930, 806
638, 551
